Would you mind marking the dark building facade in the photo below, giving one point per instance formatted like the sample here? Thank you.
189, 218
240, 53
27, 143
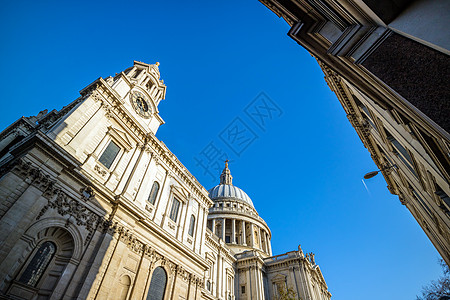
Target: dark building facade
387, 61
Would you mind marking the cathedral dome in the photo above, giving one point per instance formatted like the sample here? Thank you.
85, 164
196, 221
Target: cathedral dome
234, 219
228, 191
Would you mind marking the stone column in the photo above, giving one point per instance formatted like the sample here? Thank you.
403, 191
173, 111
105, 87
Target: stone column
213, 225
252, 235
181, 221
270, 245
138, 151
219, 268
244, 239
223, 230
223, 279
172, 290
202, 235
233, 231
166, 178
260, 238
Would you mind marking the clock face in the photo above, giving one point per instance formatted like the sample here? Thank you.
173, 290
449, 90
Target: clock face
140, 105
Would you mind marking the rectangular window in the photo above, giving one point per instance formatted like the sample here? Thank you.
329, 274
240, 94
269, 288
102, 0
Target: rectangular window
242, 289
227, 239
401, 153
174, 210
191, 226
444, 197
110, 153
366, 112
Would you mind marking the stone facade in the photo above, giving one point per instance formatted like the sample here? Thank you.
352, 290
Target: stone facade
94, 206
387, 62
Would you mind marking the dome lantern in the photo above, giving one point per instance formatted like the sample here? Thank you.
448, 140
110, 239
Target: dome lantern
225, 177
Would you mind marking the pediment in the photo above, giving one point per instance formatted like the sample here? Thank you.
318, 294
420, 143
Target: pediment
180, 192
121, 137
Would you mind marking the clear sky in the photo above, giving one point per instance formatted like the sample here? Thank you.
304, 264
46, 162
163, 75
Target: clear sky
303, 167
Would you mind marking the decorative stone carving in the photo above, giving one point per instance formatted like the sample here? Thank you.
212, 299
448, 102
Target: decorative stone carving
173, 268
311, 258
96, 96
68, 206
87, 193
106, 226
100, 171
149, 207
108, 110
402, 199
200, 282
34, 175
171, 226
148, 149
48, 120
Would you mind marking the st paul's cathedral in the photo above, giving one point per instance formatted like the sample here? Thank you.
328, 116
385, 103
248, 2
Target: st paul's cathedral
94, 206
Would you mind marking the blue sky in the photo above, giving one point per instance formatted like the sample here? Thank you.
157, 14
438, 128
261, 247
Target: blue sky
303, 168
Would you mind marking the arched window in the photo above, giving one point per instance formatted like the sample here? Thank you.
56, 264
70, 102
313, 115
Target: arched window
38, 264
191, 226
157, 284
153, 193
124, 286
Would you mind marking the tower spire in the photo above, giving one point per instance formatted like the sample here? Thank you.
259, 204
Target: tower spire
225, 177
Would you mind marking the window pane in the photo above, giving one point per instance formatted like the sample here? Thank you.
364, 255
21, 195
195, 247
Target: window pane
153, 193
157, 285
174, 211
191, 226
38, 264
109, 154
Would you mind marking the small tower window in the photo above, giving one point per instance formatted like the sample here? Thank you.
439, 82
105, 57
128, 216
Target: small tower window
38, 264
149, 84
191, 226
138, 72
174, 210
153, 193
110, 153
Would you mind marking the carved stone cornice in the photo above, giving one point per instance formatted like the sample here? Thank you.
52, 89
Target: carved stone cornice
287, 16
33, 175
22, 126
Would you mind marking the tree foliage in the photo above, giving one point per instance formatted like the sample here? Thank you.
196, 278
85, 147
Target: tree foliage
438, 289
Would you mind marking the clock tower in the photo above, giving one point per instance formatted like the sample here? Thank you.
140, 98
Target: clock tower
140, 90
102, 128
